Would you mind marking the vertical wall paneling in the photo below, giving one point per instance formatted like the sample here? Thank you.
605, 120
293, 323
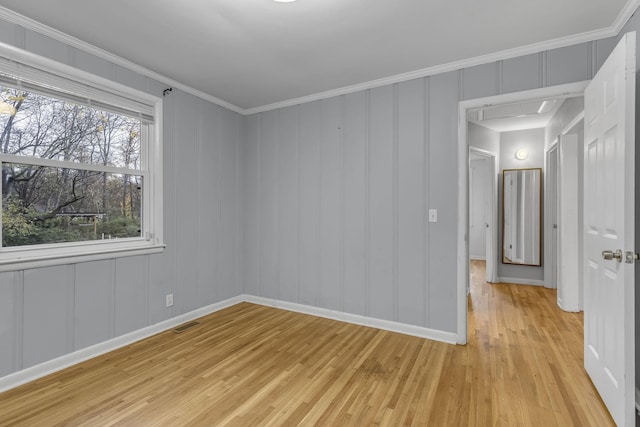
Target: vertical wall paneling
131, 294
94, 303
480, 81
411, 202
46, 46
603, 48
8, 32
309, 203
251, 208
568, 64
129, 78
8, 327
162, 266
228, 205
355, 202
49, 312
443, 127
288, 204
330, 152
211, 178
93, 64
381, 182
186, 193
268, 192
395, 200
426, 269
20, 37
47, 308
521, 73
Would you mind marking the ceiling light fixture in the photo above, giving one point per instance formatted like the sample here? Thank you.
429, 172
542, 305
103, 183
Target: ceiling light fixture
522, 154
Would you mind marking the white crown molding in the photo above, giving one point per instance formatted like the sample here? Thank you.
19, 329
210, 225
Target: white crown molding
67, 39
625, 14
589, 36
612, 31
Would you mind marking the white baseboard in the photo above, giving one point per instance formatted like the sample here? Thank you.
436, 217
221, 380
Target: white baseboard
387, 325
50, 366
38, 371
519, 281
569, 308
478, 257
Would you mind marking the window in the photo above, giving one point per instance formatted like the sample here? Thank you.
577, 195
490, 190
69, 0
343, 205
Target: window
81, 165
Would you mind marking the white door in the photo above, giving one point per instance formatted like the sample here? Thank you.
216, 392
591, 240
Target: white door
551, 217
489, 214
609, 226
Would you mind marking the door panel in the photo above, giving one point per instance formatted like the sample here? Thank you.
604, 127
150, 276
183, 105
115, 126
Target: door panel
609, 225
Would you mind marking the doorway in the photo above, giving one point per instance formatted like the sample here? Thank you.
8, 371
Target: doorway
483, 212
465, 108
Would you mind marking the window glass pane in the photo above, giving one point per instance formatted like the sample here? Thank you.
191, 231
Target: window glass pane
45, 127
53, 205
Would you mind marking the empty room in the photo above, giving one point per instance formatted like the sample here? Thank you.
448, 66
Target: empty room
305, 212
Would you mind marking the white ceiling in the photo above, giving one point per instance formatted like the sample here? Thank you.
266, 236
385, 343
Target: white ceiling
253, 53
516, 116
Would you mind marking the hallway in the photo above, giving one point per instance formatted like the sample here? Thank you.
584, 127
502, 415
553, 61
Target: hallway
530, 354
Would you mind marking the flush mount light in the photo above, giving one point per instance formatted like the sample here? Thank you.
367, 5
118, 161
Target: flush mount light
522, 154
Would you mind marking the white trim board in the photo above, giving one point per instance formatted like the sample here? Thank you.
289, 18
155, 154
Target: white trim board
519, 281
47, 31
38, 371
387, 325
33, 373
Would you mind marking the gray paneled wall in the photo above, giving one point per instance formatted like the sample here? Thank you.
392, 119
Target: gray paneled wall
48, 312
336, 191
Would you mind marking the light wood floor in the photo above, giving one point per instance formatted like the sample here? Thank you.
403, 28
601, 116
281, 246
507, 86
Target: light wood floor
252, 365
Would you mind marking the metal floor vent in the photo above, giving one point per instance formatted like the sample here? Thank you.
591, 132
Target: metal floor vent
185, 327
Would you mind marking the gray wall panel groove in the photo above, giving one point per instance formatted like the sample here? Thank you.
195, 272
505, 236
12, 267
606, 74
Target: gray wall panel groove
427, 197
395, 201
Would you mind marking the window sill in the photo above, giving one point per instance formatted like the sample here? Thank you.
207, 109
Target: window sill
29, 262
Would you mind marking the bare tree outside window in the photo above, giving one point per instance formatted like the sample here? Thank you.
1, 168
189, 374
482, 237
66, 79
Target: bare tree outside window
44, 203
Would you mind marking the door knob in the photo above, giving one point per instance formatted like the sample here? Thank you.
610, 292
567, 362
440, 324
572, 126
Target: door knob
609, 255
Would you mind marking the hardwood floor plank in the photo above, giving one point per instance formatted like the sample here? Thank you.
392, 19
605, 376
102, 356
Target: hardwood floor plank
250, 365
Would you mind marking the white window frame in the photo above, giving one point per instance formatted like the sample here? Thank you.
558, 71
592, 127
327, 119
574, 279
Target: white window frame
151, 240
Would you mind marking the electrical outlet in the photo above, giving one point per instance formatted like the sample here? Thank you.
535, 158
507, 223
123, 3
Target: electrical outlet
169, 300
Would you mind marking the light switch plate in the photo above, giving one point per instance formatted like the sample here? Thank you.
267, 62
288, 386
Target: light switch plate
433, 215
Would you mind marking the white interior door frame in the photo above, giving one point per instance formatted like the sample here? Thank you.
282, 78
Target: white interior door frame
491, 193
462, 261
550, 256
